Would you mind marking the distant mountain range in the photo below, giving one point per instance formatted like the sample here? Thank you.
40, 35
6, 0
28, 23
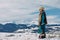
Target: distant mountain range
11, 27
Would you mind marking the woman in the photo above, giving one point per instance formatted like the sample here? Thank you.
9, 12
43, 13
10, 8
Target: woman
42, 22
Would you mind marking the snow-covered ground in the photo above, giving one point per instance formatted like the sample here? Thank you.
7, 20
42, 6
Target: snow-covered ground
26, 34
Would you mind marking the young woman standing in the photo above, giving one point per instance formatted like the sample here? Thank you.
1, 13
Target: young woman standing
42, 22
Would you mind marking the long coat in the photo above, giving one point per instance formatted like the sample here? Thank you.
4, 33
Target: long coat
40, 18
42, 23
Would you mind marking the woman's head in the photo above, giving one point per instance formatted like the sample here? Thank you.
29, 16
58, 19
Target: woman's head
41, 9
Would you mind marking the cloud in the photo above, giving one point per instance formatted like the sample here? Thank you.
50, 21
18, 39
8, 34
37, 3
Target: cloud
24, 10
53, 19
53, 3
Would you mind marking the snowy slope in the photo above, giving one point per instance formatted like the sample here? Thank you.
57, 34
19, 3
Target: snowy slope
52, 33
25, 36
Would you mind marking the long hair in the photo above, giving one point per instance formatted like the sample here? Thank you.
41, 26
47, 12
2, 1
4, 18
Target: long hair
39, 19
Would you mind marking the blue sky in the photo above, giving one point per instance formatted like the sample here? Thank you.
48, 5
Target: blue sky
27, 11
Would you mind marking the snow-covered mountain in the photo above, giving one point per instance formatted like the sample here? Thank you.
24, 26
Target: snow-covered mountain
26, 34
11, 31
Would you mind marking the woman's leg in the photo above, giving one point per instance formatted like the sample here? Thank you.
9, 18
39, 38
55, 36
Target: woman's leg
40, 31
43, 31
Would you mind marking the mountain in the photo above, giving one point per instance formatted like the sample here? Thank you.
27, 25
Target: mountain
12, 27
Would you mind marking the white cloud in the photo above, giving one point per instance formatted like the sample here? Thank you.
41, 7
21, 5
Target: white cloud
53, 3
18, 10
52, 19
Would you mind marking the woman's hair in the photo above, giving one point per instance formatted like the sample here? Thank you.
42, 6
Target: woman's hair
41, 8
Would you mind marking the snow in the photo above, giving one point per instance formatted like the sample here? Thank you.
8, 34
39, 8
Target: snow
26, 34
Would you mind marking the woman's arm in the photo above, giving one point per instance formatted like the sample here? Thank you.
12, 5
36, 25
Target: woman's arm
45, 19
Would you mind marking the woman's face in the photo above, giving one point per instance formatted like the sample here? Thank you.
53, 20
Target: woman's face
41, 10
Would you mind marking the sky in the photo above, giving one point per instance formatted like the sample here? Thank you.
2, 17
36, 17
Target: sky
27, 11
